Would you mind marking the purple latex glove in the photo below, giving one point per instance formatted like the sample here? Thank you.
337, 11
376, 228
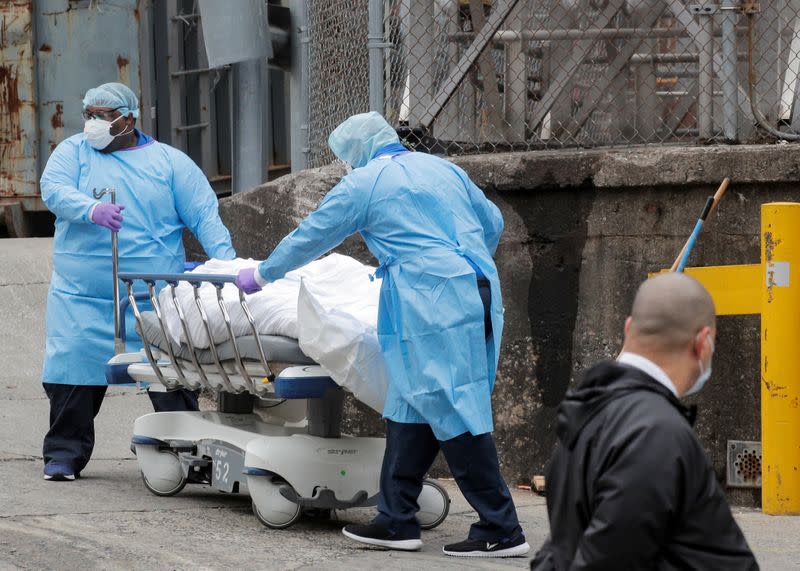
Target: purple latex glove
108, 215
246, 281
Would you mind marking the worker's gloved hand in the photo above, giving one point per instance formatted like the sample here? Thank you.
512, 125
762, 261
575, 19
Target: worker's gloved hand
108, 215
246, 281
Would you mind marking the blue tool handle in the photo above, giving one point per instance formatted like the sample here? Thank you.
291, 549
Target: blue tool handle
690, 245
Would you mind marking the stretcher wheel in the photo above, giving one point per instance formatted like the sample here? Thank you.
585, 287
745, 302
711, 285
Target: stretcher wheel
269, 506
162, 472
434, 505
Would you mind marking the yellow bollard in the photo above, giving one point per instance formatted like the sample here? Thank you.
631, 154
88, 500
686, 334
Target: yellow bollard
780, 358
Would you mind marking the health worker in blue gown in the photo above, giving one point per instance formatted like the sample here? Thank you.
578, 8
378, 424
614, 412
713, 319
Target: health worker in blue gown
440, 319
159, 192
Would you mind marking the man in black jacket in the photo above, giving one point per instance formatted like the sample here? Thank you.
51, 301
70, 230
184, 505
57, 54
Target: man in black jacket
629, 485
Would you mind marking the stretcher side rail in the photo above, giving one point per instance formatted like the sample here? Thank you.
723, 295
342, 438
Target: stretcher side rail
195, 280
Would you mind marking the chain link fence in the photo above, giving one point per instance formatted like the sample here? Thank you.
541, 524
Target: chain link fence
466, 76
338, 70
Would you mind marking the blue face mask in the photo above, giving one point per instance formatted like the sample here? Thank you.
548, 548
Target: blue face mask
705, 374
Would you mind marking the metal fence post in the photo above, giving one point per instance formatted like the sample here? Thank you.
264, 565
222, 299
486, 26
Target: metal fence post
421, 52
705, 81
299, 86
516, 78
376, 65
730, 82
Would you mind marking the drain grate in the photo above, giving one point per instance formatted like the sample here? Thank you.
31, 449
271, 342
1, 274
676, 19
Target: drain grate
744, 464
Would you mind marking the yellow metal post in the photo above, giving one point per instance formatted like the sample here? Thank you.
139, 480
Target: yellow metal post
780, 358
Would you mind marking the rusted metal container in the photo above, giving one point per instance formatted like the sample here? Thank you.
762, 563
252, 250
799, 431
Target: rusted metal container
51, 52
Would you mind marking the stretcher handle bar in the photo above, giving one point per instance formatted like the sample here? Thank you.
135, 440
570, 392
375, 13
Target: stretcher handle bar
192, 351
119, 345
211, 345
151, 287
138, 316
237, 356
192, 278
256, 337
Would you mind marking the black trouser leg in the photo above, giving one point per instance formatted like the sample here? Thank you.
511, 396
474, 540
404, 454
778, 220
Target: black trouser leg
474, 465
174, 401
73, 408
410, 451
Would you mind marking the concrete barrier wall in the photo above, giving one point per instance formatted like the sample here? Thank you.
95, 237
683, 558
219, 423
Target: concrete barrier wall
583, 229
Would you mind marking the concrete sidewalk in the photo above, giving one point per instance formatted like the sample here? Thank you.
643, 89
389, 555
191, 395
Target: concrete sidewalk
107, 520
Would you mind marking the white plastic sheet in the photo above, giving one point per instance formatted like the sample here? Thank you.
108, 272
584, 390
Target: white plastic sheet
344, 344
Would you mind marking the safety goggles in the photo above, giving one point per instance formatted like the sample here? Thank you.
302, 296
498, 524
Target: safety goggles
104, 114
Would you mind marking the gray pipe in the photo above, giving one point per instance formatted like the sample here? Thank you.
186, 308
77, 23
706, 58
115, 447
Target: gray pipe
250, 113
730, 82
376, 64
299, 86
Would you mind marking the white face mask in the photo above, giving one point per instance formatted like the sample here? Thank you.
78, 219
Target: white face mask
98, 132
705, 374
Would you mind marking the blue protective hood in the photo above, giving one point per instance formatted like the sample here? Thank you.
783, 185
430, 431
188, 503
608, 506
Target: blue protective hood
361, 137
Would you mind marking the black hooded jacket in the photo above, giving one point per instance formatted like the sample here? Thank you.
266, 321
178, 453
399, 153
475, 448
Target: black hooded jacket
629, 485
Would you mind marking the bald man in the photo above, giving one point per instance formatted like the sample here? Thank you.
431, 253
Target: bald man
629, 485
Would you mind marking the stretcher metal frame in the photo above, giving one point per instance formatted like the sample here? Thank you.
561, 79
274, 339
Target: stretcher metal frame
196, 281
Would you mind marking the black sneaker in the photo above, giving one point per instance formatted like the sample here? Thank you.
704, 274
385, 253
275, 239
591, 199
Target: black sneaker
381, 536
473, 548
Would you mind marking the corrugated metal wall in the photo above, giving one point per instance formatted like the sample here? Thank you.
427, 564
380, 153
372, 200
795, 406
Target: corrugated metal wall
18, 133
80, 45
51, 52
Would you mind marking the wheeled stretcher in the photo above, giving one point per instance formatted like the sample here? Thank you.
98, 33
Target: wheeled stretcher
290, 457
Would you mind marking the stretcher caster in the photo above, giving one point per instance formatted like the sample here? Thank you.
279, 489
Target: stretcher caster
317, 514
162, 472
434, 505
269, 506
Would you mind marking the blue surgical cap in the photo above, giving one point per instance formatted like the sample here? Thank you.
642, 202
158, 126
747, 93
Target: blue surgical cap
114, 95
360, 137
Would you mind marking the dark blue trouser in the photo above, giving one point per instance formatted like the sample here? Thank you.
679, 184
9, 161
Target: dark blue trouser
73, 408
412, 448
70, 439
410, 451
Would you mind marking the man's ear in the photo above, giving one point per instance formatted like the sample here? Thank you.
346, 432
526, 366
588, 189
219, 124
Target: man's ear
700, 341
628, 325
